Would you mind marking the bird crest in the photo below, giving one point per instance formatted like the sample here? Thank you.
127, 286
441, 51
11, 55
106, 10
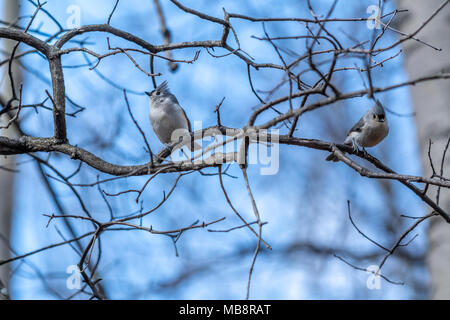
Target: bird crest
163, 87
378, 108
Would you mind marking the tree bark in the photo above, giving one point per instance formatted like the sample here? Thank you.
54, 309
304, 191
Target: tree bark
11, 12
432, 107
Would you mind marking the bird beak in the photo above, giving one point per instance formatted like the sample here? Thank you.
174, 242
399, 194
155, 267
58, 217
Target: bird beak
148, 93
381, 120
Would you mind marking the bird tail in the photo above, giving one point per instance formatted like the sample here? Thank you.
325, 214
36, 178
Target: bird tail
332, 157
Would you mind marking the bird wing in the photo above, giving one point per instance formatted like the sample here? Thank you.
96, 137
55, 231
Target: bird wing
193, 146
175, 101
187, 119
358, 126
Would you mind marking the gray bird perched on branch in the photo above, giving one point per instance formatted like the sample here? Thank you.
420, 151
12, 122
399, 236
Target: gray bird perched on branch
168, 119
369, 131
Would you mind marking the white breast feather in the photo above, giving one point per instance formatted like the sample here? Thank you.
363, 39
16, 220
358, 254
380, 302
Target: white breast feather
165, 119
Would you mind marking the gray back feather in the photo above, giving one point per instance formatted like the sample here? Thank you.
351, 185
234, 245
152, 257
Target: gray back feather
376, 109
357, 126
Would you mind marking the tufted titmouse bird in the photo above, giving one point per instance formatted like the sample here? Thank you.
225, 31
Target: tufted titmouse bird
369, 131
168, 119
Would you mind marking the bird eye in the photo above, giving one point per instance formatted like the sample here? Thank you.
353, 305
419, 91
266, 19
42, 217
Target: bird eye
374, 116
157, 93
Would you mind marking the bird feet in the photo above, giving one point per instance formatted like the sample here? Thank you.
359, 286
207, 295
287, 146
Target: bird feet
358, 150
